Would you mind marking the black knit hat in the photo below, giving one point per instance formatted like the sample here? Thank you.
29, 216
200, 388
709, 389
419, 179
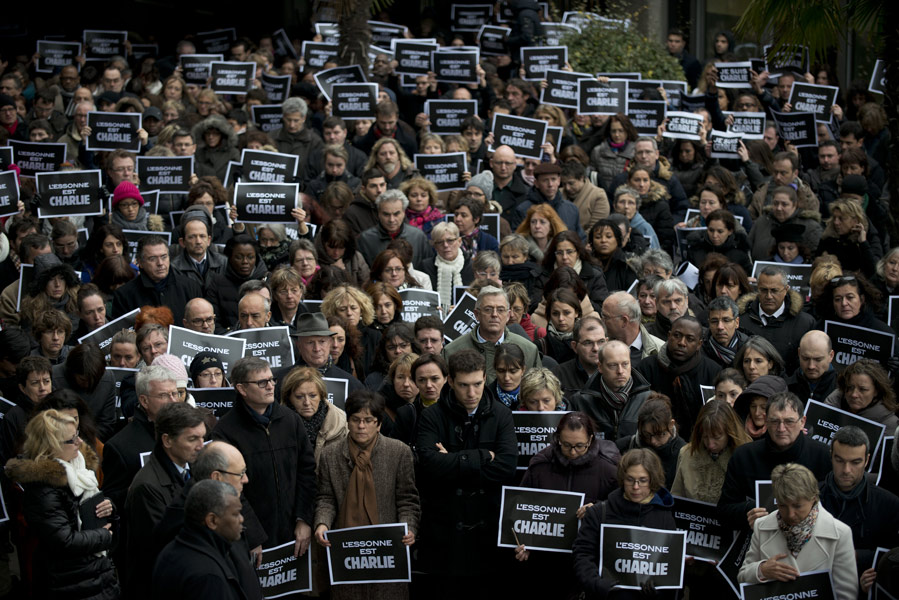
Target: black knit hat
203, 361
48, 266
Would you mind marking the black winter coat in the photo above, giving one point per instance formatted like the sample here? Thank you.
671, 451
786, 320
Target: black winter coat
619, 275
801, 386
755, 461
279, 457
656, 210
121, 456
460, 490
66, 561
221, 291
783, 332
735, 248
199, 563
618, 511
854, 256
100, 400
595, 473
611, 424
668, 453
526, 273
140, 291
592, 276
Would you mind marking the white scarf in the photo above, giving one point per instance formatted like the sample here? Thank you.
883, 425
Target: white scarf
82, 481
449, 274
578, 266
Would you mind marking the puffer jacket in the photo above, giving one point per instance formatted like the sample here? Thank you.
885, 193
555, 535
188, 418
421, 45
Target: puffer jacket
735, 248
214, 161
594, 473
67, 562
608, 163
221, 291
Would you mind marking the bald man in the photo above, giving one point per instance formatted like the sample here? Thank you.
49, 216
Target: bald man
199, 316
509, 189
815, 378
254, 310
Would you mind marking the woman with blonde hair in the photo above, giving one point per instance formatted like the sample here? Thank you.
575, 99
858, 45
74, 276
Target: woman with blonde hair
422, 211
850, 237
304, 391
540, 225
389, 157
541, 391
356, 307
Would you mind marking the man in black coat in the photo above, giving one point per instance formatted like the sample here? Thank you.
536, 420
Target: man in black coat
362, 212
783, 443
180, 431
272, 439
870, 511
509, 187
387, 124
815, 378
588, 337
467, 450
157, 284
547, 180
724, 338
679, 369
204, 561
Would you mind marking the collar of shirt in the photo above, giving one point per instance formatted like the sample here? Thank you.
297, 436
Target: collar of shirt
638, 341
196, 262
481, 340
776, 314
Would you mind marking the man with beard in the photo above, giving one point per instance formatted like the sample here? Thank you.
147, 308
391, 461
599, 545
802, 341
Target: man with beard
588, 337
724, 338
388, 124
679, 369
672, 299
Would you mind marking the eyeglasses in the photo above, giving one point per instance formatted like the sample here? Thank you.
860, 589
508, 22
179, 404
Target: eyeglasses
240, 475
565, 252
493, 310
307, 259
842, 280
610, 317
777, 423
631, 482
592, 344
394, 270
201, 321
771, 291
395, 347
74, 440
166, 395
573, 447
262, 383
362, 421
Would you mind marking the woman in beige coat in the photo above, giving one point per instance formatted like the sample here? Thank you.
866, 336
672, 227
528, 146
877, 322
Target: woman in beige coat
304, 391
800, 537
367, 480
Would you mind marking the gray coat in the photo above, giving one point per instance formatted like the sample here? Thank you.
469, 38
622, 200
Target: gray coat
374, 240
183, 265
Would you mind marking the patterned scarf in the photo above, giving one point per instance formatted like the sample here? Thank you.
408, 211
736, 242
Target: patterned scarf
510, 399
360, 505
799, 534
616, 398
470, 241
726, 353
314, 423
449, 274
418, 219
565, 337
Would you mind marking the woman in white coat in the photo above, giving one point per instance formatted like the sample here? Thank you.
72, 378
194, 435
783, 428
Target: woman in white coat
800, 537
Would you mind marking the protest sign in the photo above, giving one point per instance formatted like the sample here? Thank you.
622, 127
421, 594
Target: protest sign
330, 32
764, 495
707, 391
413, 57
817, 99
327, 78
113, 131
5, 406
446, 116
879, 592
4, 514
470, 17
554, 32
455, 66
104, 44
646, 115
419, 303
797, 275
55, 55
37, 157
283, 574
621, 75
262, 166
277, 87
369, 554
492, 39
683, 126
793, 60
218, 400
523, 135
151, 200
814, 584
886, 475
9, 193
265, 202
823, 422
460, 321
708, 538
539, 519
119, 374
798, 128
562, 88
133, 237
444, 170
734, 74
103, 335
5, 157
851, 342
186, 344
537, 60
317, 54
266, 117
729, 566
141, 51
26, 277
232, 77
218, 41
271, 344
750, 124
354, 100
893, 312
579, 19
878, 82
195, 67
597, 98
636, 89
382, 33
338, 389
725, 145
283, 45
680, 237
534, 431
634, 555
69, 193
168, 174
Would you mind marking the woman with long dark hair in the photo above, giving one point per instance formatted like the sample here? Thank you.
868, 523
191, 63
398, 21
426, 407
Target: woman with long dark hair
107, 240
607, 249
336, 245
567, 250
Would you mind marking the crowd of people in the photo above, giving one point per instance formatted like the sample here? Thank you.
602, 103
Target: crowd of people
683, 367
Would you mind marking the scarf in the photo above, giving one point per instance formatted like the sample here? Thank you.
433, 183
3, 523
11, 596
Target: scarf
799, 534
82, 481
565, 337
675, 370
306, 280
418, 219
138, 224
510, 399
470, 241
726, 353
616, 398
314, 423
578, 266
617, 147
753, 431
853, 496
360, 505
449, 274
528, 179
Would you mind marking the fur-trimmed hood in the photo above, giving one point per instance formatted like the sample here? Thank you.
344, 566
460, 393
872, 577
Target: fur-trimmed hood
229, 138
657, 192
4, 247
47, 471
794, 299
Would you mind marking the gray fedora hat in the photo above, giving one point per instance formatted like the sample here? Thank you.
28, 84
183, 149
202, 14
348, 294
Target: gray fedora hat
309, 324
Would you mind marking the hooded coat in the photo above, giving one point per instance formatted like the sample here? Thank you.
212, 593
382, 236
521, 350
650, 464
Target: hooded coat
609, 163
214, 161
735, 248
784, 332
761, 237
67, 560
